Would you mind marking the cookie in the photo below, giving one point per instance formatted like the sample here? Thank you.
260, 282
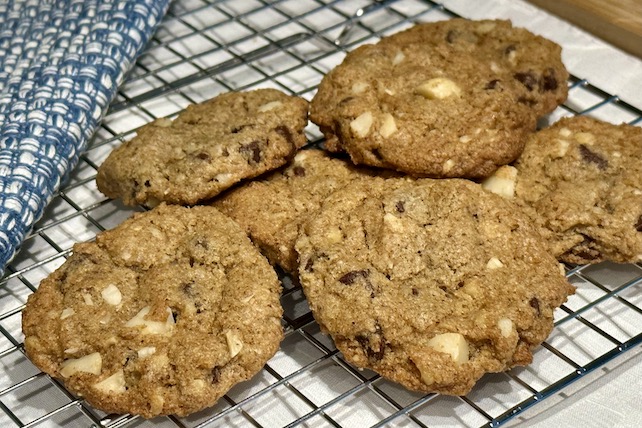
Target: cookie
581, 181
430, 283
161, 315
272, 210
524, 63
419, 103
206, 149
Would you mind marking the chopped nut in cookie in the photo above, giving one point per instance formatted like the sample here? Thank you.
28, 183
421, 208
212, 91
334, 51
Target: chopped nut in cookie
388, 125
438, 88
114, 383
90, 363
502, 182
111, 294
234, 343
506, 326
361, 125
453, 344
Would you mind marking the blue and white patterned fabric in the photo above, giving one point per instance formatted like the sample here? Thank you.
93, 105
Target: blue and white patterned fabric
61, 62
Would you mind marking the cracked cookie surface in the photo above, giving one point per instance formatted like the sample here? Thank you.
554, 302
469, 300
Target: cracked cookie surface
581, 181
161, 315
430, 283
206, 149
272, 210
431, 105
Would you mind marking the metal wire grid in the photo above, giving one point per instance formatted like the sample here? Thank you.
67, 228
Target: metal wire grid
207, 47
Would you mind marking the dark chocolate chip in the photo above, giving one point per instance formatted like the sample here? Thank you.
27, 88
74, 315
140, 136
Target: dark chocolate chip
638, 225
308, 265
252, 151
528, 79
535, 305
452, 36
299, 171
400, 206
527, 101
549, 81
509, 49
492, 84
216, 374
350, 277
239, 128
147, 183
415, 292
590, 156
373, 344
283, 131
203, 156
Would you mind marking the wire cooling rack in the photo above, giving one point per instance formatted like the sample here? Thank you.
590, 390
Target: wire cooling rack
205, 47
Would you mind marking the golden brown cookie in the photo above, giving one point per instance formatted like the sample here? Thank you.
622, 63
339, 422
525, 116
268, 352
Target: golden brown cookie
430, 283
161, 315
431, 105
581, 181
272, 210
206, 149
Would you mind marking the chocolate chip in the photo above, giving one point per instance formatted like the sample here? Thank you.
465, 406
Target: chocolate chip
549, 81
350, 277
528, 79
239, 128
509, 49
308, 265
299, 171
175, 314
283, 131
590, 156
203, 156
535, 305
452, 36
147, 183
400, 206
415, 292
492, 84
252, 151
225, 152
527, 101
216, 374
638, 225
373, 344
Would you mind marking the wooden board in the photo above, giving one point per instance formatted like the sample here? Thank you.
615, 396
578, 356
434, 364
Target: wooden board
618, 22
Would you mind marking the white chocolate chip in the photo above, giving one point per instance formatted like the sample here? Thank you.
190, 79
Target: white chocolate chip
334, 235
66, 313
393, 222
163, 122
90, 363
361, 125
269, 106
87, 298
448, 165
146, 351
494, 263
585, 138
111, 294
224, 178
399, 57
485, 27
388, 125
565, 132
453, 344
505, 326
562, 147
359, 87
301, 156
234, 343
152, 327
502, 182
438, 88
113, 384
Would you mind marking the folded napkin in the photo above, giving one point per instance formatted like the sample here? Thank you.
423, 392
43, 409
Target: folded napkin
61, 62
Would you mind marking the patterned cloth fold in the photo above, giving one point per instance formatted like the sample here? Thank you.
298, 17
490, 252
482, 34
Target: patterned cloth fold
61, 62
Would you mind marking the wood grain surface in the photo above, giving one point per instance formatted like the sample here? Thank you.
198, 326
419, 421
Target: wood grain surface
618, 22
